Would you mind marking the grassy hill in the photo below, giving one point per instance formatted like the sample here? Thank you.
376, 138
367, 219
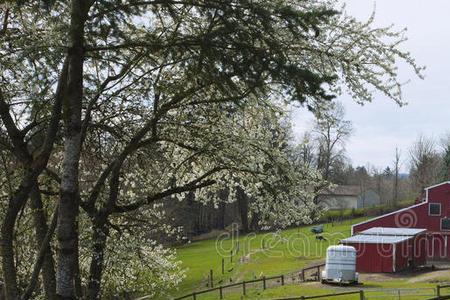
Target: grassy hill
284, 252
263, 254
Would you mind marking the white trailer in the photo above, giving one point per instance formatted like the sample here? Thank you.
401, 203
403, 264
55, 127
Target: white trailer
340, 265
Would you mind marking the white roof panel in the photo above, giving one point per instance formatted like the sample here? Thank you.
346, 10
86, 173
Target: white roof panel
392, 231
375, 239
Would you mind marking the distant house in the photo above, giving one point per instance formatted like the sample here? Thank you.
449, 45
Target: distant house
348, 196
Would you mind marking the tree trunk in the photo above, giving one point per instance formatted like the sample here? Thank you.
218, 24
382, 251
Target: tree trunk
99, 237
220, 224
8, 263
41, 228
254, 223
67, 232
7, 233
223, 196
78, 284
242, 201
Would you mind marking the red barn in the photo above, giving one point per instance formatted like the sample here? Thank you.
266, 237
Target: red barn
432, 214
381, 249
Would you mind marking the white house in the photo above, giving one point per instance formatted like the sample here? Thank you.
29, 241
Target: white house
349, 196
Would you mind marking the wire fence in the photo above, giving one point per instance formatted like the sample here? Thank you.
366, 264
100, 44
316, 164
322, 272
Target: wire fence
306, 274
360, 294
402, 293
243, 284
437, 293
313, 274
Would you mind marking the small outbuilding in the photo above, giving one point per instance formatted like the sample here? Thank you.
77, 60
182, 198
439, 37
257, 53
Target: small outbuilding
387, 249
347, 197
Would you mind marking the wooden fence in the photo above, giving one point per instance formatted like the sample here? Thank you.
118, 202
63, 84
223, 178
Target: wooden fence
244, 285
263, 280
439, 293
317, 274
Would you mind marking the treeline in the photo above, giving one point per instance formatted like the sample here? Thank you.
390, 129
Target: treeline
322, 147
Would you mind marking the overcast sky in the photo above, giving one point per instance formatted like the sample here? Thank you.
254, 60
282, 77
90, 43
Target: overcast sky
382, 126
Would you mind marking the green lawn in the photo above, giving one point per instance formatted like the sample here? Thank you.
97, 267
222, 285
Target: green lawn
377, 290
261, 254
269, 254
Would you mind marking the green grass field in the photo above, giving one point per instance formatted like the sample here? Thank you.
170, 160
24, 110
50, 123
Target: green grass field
285, 252
263, 254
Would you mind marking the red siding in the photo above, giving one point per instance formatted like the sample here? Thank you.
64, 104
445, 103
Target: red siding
436, 246
373, 258
420, 249
378, 258
414, 217
402, 255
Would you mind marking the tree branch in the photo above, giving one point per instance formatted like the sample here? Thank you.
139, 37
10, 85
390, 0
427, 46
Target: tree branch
15, 135
159, 196
125, 69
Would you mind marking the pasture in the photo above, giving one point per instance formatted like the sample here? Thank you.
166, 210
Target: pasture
255, 255
286, 252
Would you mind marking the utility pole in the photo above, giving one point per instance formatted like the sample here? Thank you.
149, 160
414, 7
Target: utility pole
396, 170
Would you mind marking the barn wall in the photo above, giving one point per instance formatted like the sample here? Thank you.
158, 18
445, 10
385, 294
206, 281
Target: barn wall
373, 258
419, 244
436, 247
439, 194
403, 253
413, 217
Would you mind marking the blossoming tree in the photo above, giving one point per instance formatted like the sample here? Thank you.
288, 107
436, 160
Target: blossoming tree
109, 107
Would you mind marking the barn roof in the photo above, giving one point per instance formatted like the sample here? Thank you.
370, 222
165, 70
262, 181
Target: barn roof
392, 231
375, 239
436, 185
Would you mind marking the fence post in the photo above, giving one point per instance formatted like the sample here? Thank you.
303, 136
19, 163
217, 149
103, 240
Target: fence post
361, 295
194, 296
438, 290
264, 282
223, 265
303, 275
211, 277
318, 273
282, 279
231, 256
243, 288
221, 292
